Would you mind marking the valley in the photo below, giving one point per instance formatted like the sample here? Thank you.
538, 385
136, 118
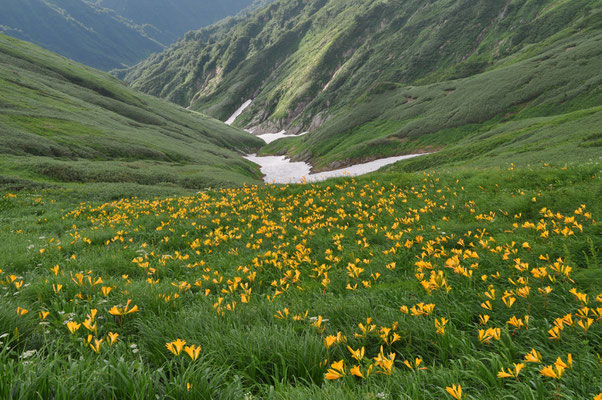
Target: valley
308, 199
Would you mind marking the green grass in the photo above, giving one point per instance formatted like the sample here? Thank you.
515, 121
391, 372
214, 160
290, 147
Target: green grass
177, 258
62, 123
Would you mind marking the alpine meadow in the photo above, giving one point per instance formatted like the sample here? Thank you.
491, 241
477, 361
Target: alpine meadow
147, 250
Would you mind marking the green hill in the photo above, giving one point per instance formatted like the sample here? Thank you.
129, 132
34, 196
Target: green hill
382, 78
109, 34
62, 124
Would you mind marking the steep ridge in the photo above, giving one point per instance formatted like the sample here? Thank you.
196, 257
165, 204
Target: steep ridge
302, 61
64, 123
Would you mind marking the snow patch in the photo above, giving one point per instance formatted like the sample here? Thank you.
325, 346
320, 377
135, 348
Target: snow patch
279, 169
270, 137
237, 113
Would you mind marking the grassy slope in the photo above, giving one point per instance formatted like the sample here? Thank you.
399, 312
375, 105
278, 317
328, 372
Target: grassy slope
298, 59
279, 241
62, 123
549, 104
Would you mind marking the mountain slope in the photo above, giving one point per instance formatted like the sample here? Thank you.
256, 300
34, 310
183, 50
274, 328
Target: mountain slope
549, 104
301, 61
109, 34
62, 123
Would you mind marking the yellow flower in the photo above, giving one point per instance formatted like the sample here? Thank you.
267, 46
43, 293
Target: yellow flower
118, 311
440, 325
455, 391
336, 371
329, 340
193, 351
549, 372
533, 357
90, 325
73, 326
43, 315
585, 325
176, 346
511, 374
21, 311
356, 371
385, 363
415, 364
509, 301
554, 333
112, 338
96, 345
282, 314
357, 354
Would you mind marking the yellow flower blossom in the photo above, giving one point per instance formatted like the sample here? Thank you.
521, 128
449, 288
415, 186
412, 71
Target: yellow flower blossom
336, 371
454, 391
176, 346
193, 351
73, 326
511, 374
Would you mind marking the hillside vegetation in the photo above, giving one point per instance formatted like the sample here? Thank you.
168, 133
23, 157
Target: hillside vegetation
109, 34
545, 107
63, 124
302, 62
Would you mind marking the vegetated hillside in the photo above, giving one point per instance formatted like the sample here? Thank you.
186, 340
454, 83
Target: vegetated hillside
109, 34
301, 61
531, 108
63, 123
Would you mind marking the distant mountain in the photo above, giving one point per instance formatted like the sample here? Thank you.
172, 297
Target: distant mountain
62, 123
370, 78
170, 20
109, 34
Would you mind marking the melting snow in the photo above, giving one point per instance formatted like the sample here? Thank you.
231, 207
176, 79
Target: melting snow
270, 137
278, 169
237, 113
